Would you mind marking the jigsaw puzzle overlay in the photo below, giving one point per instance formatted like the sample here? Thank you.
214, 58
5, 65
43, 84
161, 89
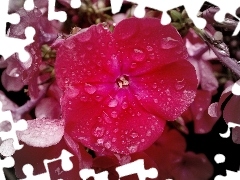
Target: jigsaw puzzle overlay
10, 46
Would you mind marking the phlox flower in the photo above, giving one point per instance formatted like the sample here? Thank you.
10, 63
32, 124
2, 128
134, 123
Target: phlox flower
120, 87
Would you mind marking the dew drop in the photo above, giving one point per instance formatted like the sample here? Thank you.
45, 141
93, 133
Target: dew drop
89, 88
114, 139
114, 114
98, 98
155, 101
142, 140
134, 135
107, 118
100, 141
14, 72
83, 98
98, 131
124, 105
168, 43
115, 130
133, 65
167, 91
139, 114
138, 55
154, 85
113, 103
132, 149
107, 145
149, 48
148, 133
180, 84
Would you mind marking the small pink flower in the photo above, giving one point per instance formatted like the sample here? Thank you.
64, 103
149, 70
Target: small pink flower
121, 87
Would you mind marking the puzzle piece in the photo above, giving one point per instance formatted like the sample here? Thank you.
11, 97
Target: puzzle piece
6, 43
66, 166
137, 167
15, 126
60, 15
87, 173
230, 125
8, 162
192, 8
231, 175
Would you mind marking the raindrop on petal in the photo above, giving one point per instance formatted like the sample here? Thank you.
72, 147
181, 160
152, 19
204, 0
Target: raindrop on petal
168, 43
90, 89
124, 105
149, 48
138, 55
134, 135
98, 131
180, 84
114, 114
113, 103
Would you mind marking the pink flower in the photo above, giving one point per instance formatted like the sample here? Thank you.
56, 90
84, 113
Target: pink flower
168, 152
18, 74
121, 87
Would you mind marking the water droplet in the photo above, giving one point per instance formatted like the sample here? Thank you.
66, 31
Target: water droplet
134, 135
90, 89
98, 98
114, 139
98, 131
168, 43
152, 56
142, 140
83, 98
106, 118
107, 145
155, 101
148, 133
124, 105
100, 141
85, 36
132, 149
114, 114
167, 91
154, 85
113, 103
133, 65
180, 84
139, 114
138, 55
115, 130
149, 48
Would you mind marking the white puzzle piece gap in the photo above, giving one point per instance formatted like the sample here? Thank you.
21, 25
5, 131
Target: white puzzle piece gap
8, 45
192, 9
65, 162
8, 162
20, 125
137, 167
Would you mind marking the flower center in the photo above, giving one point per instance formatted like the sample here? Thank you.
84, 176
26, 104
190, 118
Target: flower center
122, 81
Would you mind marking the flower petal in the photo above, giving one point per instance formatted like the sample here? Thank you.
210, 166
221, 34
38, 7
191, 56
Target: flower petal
42, 132
125, 127
167, 92
89, 56
149, 46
